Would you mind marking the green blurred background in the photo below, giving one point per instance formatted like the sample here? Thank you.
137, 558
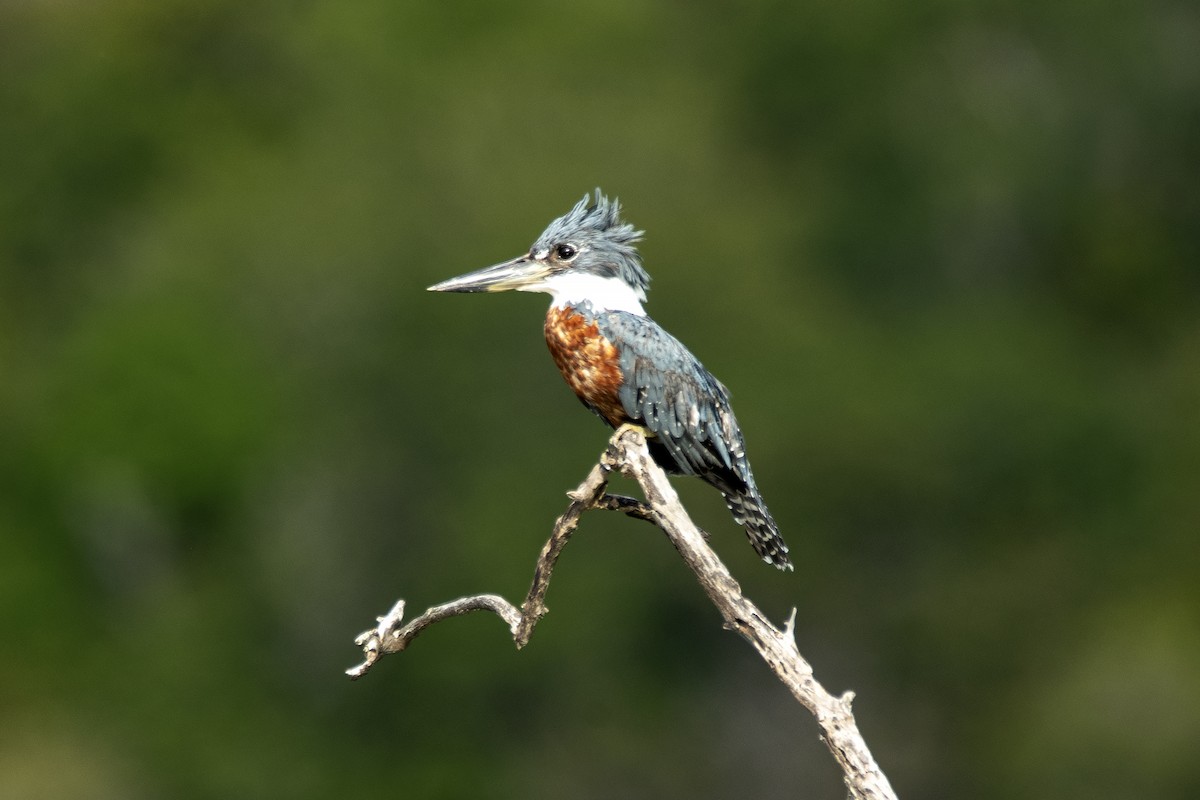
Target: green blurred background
945, 255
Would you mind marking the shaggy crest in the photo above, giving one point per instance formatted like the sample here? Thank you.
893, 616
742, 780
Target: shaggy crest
606, 244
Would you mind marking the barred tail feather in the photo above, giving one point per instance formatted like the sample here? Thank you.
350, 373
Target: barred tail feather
751, 512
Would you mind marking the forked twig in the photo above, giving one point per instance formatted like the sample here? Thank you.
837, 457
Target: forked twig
628, 454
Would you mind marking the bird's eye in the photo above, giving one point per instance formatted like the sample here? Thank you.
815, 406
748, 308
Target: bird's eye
565, 252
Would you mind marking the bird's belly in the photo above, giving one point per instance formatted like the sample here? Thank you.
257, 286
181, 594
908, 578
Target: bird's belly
588, 361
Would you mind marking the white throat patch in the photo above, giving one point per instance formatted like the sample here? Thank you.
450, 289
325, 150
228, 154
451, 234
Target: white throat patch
604, 294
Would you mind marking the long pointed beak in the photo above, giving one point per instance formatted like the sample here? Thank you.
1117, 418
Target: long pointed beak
520, 273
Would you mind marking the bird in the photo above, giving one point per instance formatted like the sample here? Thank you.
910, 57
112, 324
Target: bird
622, 365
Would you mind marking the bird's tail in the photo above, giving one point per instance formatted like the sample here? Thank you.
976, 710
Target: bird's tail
751, 512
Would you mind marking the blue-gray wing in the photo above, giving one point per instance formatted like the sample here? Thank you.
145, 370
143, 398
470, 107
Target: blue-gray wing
667, 390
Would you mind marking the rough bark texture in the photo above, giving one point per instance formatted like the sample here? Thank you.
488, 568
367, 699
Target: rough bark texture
627, 453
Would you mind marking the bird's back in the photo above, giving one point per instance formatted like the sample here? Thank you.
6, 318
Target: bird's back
686, 410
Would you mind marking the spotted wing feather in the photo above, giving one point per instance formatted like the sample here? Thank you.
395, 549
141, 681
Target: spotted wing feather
666, 389
669, 392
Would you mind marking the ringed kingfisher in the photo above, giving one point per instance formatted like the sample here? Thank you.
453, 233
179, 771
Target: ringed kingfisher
622, 365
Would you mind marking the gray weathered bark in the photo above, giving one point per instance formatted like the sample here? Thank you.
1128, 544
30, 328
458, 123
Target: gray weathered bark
627, 453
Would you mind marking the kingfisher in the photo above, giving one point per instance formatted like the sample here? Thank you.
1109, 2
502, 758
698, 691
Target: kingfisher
622, 365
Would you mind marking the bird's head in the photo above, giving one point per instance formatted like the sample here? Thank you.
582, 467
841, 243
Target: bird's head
588, 254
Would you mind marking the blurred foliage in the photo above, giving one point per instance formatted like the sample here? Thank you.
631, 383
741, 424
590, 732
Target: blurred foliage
945, 255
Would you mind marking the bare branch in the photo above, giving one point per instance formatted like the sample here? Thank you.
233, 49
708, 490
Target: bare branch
629, 506
777, 647
582, 499
627, 453
389, 637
